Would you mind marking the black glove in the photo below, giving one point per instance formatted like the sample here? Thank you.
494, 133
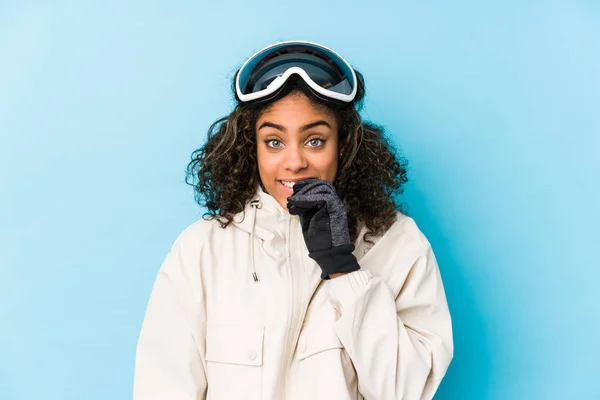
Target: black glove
324, 226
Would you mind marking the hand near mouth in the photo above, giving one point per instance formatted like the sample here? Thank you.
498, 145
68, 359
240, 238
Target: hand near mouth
324, 226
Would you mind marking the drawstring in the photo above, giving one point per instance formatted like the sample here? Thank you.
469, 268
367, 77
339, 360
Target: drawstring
256, 204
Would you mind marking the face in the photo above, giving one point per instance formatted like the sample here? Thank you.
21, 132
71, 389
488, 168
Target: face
296, 140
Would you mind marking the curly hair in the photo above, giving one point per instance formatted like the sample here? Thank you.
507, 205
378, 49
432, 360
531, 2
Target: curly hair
224, 171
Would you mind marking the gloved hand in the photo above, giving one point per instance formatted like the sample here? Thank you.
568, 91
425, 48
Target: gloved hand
324, 226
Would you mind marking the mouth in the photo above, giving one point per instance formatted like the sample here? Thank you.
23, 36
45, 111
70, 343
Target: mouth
288, 185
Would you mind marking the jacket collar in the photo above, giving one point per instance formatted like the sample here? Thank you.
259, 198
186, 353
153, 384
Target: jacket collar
270, 216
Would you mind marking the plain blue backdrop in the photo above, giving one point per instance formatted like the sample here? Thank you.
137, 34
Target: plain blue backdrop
495, 104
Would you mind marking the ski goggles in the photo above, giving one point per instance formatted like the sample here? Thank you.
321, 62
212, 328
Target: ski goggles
325, 72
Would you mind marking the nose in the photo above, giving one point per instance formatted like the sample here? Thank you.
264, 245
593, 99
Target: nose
295, 160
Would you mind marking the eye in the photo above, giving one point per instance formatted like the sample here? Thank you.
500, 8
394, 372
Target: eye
274, 143
316, 142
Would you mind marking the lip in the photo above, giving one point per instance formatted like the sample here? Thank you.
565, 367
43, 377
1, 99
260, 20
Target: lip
295, 179
290, 190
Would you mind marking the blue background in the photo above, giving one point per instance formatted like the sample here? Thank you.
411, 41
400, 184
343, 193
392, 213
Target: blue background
495, 104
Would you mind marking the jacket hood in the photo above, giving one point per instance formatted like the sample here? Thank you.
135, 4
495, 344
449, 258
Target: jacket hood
264, 218
269, 220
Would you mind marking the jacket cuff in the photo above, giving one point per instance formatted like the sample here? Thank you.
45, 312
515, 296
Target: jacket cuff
346, 289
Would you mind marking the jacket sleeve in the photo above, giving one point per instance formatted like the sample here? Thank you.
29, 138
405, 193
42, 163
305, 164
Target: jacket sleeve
170, 362
400, 345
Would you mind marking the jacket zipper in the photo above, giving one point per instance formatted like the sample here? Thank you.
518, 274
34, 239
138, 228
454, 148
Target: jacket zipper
295, 316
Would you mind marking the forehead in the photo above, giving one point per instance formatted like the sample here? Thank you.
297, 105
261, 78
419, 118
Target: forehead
296, 107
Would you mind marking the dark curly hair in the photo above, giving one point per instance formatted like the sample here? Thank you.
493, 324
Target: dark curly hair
224, 171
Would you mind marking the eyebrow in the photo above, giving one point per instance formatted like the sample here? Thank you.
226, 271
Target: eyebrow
302, 128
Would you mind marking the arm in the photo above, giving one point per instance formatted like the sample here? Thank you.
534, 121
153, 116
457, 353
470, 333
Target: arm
170, 361
400, 346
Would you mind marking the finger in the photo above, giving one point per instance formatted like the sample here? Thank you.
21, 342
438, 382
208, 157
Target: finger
307, 218
314, 199
303, 204
311, 186
308, 185
298, 186
301, 184
322, 187
301, 195
297, 210
319, 230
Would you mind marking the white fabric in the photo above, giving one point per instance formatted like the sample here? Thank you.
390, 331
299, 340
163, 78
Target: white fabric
212, 332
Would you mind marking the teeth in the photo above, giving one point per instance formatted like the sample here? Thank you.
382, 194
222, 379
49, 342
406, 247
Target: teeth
288, 184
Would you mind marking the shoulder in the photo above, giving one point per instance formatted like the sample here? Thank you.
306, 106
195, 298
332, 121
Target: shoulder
402, 234
198, 234
406, 228
198, 242
396, 253
406, 236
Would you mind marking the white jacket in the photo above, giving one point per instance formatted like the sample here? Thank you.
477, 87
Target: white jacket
212, 332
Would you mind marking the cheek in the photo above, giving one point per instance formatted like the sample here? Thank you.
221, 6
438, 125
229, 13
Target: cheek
326, 164
267, 162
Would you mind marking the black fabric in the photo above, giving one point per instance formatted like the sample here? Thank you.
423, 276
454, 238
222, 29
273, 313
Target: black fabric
324, 226
337, 259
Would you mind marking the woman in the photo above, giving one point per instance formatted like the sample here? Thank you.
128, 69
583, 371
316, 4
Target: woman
305, 281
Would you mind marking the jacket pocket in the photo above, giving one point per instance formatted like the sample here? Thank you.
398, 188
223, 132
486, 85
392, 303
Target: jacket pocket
234, 358
323, 368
